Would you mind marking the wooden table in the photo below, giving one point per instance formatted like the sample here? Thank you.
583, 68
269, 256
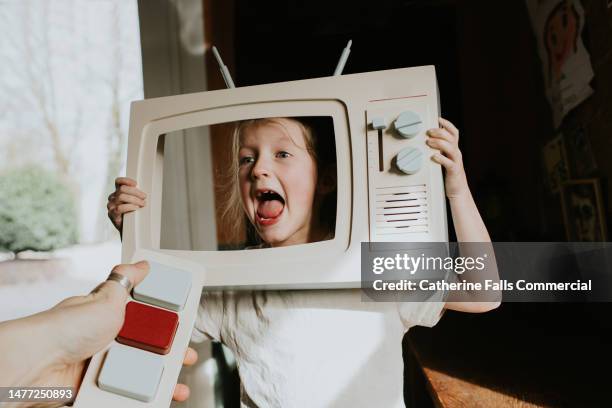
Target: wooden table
531, 355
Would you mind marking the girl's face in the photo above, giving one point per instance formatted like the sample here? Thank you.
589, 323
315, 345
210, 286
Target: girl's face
278, 179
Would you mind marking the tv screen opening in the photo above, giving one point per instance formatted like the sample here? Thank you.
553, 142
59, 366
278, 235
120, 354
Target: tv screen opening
273, 182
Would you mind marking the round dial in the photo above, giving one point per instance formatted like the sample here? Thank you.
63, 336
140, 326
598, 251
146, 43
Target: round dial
408, 124
409, 160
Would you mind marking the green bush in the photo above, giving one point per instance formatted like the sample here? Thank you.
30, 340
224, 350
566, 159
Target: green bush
37, 211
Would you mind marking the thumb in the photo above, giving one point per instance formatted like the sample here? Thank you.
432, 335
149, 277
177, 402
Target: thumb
113, 291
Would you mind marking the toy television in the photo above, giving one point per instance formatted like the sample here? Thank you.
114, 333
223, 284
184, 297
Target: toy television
388, 188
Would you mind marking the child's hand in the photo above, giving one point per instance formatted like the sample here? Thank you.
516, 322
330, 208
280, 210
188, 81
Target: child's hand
126, 198
446, 140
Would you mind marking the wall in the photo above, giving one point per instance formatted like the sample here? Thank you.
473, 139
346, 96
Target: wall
507, 119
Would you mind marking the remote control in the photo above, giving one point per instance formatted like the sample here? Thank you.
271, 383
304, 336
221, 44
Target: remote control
141, 366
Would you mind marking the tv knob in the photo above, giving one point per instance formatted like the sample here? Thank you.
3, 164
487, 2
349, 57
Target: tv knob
409, 160
408, 124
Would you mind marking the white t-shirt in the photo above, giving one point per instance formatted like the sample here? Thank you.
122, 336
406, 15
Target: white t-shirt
314, 348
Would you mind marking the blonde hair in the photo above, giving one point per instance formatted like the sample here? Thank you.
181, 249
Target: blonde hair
233, 214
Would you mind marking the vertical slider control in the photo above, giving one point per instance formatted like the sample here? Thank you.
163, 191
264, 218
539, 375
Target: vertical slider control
380, 124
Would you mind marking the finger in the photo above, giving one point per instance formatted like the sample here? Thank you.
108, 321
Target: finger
130, 199
124, 181
110, 206
181, 393
444, 161
442, 134
191, 356
132, 191
118, 222
125, 208
114, 214
446, 124
111, 196
448, 149
113, 291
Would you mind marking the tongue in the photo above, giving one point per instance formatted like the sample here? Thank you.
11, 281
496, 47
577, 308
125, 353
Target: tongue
270, 209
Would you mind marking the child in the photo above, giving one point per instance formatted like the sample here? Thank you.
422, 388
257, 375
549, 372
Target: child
288, 195
313, 348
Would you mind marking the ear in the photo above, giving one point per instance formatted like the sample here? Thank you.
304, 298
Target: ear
327, 180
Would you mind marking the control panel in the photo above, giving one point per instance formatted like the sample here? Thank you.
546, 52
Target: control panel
402, 179
140, 367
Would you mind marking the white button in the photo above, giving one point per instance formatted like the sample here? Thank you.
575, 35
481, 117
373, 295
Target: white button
131, 372
164, 286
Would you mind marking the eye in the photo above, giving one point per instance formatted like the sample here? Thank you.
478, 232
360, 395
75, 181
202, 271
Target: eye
246, 160
283, 155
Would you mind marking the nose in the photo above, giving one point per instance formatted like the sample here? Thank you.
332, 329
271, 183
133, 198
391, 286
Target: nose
261, 168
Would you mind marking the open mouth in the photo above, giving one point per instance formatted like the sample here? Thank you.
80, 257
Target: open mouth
270, 206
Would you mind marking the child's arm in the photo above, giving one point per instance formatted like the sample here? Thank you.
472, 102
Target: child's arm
126, 198
468, 223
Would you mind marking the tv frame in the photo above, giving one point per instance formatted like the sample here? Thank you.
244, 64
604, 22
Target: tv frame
350, 100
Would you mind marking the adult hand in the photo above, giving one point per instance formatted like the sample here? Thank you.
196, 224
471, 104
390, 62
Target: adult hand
51, 348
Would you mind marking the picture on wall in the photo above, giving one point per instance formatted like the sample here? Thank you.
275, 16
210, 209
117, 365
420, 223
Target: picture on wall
555, 163
583, 211
580, 158
566, 63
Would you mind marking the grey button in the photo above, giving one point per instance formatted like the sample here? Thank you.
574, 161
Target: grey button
131, 372
164, 286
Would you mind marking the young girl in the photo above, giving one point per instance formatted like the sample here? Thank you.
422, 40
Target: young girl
312, 348
282, 176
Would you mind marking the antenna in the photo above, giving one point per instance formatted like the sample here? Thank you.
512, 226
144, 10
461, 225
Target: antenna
342, 61
224, 71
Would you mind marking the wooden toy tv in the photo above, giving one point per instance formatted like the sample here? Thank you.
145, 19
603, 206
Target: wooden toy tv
388, 189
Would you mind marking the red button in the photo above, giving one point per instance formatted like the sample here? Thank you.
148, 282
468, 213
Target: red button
148, 328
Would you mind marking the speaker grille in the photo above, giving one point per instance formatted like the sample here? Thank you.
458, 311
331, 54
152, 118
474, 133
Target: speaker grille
401, 210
